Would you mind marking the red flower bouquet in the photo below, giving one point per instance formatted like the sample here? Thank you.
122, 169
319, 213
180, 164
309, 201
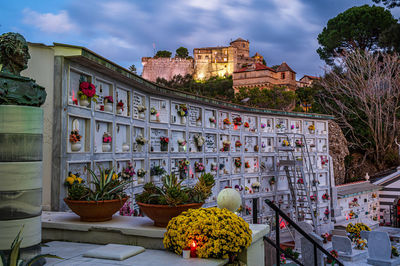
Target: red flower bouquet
87, 90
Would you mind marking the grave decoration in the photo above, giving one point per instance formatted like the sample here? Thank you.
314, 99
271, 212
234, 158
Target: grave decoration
141, 109
256, 186
246, 124
325, 196
163, 203
141, 173
212, 121
106, 147
99, 201
182, 145
199, 167
183, 112
311, 129
164, 143
238, 162
199, 139
394, 252
226, 144
120, 107
272, 181
86, 93
334, 254
237, 121
75, 139
183, 168
153, 111
21, 119
285, 143
353, 231
227, 121
140, 140
127, 172
108, 103
157, 170
238, 144
199, 226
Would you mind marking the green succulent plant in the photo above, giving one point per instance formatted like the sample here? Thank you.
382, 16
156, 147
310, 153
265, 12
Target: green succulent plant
77, 192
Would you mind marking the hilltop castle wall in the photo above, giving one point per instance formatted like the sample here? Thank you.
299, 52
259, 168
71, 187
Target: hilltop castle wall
166, 67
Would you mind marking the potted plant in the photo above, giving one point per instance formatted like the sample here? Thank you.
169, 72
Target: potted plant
163, 203
120, 107
99, 201
106, 147
108, 103
164, 143
86, 93
75, 140
183, 112
141, 110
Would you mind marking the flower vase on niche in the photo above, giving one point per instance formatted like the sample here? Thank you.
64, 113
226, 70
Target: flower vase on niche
108, 104
86, 93
164, 143
212, 122
153, 114
106, 147
181, 145
198, 169
75, 140
182, 112
125, 147
120, 107
198, 121
141, 110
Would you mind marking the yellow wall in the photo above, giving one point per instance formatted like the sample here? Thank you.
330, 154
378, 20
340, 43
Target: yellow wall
43, 72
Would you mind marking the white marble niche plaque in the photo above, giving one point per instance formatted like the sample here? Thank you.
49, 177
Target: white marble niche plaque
162, 162
295, 126
250, 144
211, 165
281, 125
267, 144
83, 126
266, 124
311, 145
251, 122
283, 183
252, 163
234, 142
320, 128
75, 78
267, 164
210, 144
162, 110
102, 127
195, 116
221, 117
224, 166
155, 139
124, 96
104, 89
138, 132
122, 140
139, 101
192, 145
178, 138
210, 118
322, 145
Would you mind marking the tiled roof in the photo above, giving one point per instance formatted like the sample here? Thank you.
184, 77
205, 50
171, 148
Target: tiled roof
284, 67
239, 40
258, 66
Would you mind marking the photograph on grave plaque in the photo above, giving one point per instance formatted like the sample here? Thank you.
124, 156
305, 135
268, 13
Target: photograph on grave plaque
79, 134
210, 118
159, 140
139, 140
139, 106
159, 110
122, 139
103, 136
123, 102
210, 144
105, 100
195, 116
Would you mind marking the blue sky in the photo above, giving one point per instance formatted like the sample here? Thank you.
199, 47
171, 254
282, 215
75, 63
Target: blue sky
124, 31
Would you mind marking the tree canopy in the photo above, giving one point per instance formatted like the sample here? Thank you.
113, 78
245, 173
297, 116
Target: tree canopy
163, 53
356, 28
182, 52
388, 3
132, 68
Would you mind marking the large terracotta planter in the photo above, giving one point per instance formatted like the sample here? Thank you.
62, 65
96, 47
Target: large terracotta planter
162, 214
95, 211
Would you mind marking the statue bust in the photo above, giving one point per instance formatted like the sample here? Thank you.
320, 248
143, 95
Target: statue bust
14, 89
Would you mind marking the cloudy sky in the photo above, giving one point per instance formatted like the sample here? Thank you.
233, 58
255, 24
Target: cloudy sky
124, 31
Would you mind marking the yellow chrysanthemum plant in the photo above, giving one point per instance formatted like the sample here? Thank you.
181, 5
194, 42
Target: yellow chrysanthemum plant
216, 233
354, 230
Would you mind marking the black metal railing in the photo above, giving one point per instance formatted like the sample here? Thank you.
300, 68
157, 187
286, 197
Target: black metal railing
276, 244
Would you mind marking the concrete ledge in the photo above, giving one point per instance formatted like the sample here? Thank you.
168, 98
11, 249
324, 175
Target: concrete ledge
138, 231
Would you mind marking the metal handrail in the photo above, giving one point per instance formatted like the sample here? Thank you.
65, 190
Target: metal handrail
279, 212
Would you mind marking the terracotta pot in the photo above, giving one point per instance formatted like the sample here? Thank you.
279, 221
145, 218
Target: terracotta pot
95, 211
162, 214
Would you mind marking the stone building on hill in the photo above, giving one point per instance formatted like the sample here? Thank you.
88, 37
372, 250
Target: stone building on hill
306, 81
166, 68
261, 76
